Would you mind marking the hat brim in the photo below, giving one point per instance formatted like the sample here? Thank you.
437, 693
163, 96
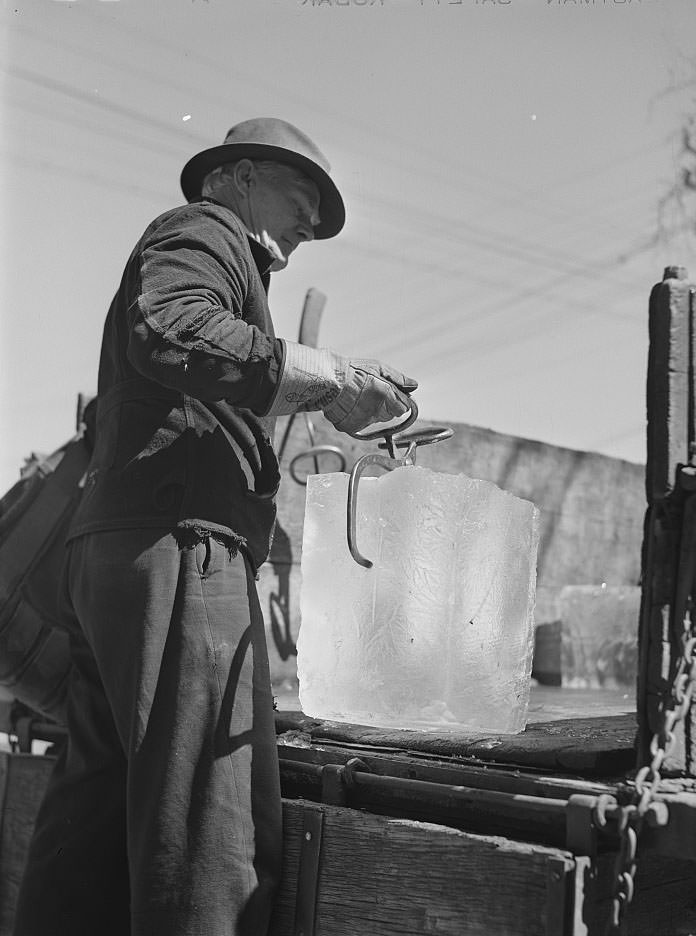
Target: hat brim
331, 208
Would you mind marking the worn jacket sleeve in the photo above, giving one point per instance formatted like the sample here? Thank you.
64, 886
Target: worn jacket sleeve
186, 325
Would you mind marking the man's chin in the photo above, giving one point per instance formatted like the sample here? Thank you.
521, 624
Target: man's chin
280, 258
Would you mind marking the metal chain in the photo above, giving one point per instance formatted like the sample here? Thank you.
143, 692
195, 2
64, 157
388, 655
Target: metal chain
648, 778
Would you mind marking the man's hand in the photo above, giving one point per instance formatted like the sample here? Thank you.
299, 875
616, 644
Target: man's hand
353, 393
372, 392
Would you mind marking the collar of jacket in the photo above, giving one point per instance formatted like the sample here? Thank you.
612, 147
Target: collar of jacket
262, 257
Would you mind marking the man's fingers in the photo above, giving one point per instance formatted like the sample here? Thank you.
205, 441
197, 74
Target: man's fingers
400, 380
407, 384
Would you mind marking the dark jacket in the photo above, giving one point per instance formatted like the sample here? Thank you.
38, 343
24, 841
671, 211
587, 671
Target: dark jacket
189, 364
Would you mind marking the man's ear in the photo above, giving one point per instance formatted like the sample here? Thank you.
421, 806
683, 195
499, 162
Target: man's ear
244, 176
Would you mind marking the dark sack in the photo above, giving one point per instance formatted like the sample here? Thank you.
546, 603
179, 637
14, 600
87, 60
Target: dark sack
34, 518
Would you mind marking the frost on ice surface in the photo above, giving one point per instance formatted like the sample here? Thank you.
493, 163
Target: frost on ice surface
439, 633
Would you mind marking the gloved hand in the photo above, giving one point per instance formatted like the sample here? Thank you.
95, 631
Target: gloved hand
353, 393
372, 392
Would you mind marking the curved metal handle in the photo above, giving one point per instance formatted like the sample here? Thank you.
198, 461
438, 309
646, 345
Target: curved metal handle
352, 507
386, 432
426, 436
312, 453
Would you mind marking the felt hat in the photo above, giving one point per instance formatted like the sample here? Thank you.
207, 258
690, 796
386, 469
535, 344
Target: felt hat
277, 140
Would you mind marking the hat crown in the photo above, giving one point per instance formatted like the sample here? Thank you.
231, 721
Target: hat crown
271, 131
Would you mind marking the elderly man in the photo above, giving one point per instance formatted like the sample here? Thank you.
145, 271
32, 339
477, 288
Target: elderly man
163, 815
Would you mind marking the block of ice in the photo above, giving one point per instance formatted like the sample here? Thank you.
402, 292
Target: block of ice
599, 636
438, 635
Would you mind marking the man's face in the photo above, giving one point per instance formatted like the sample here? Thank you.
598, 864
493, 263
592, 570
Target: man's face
283, 212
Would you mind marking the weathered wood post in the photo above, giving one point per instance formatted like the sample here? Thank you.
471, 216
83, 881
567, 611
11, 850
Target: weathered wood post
671, 446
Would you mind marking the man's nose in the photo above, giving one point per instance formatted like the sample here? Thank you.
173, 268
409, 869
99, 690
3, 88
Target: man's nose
306, 230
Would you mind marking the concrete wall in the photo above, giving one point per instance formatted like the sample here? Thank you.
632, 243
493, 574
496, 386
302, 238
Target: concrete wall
591, 507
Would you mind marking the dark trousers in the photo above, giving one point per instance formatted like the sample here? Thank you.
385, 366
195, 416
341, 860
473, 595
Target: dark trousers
163, 815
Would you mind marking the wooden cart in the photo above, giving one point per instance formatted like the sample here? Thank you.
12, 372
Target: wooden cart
396, 832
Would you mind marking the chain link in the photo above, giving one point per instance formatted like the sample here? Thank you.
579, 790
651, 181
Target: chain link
648, 778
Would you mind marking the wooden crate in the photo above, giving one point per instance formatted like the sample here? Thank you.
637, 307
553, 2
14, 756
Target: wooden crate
367, 874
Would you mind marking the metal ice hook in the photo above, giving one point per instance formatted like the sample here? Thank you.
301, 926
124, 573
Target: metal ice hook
410, 442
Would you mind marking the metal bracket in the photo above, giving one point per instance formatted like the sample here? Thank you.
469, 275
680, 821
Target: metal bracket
581, 829
338, 779
587, 815
308, 871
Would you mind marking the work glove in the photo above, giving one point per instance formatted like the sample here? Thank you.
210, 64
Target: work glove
353, 393
372, 392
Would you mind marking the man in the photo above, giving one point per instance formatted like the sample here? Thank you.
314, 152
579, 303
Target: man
163, 815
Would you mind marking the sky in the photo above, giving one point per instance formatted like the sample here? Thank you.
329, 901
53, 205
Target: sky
502, 165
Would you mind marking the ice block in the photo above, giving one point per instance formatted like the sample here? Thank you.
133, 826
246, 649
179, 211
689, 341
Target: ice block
438, 635
599, 636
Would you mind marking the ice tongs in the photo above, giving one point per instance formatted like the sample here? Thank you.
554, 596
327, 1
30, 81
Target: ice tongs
392, 440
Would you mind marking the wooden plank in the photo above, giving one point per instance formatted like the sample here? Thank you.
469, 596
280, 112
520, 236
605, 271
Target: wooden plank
588, 747
312, 310
395, 877
671, 433
438, 769
668, 389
